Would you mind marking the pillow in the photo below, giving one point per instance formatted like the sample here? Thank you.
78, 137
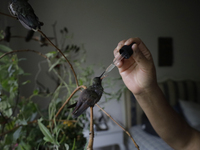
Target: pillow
191, 112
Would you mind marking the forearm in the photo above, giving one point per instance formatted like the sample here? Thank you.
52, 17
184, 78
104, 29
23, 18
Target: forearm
139, 74
167, 123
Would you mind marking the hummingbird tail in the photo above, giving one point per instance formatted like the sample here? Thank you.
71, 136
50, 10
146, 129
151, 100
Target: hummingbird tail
73, 105
80, 110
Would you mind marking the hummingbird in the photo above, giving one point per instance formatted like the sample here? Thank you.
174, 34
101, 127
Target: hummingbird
29, 35
88, 97
25, 14
7, 34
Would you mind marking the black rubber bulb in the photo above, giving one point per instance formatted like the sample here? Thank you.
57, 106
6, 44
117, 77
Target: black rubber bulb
126, 51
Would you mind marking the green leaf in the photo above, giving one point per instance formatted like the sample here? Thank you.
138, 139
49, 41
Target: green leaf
23, 146
5, 48
23, 122
55, 64
48, 137
28, 81
5, 107
33, 116
74, 144
51, 54
66, 146
36, 92
16, 134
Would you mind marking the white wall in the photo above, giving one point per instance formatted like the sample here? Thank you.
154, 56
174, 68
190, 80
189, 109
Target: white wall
100, 25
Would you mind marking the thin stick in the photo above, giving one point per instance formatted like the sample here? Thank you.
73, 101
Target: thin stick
16, 127
120, 127
54, 32
8, 15
32, 122
62, 55
22, 37
90, 144
53, 46
24, 50
82, 86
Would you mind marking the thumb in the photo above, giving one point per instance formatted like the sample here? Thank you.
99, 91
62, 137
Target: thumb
142, 58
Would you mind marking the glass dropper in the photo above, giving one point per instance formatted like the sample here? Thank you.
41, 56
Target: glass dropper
125, 52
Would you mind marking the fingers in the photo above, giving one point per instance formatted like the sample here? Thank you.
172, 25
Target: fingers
141, 46
126, 42
119, 46
139, 57
141, 54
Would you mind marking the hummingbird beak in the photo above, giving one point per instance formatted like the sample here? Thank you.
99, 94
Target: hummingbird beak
102, 75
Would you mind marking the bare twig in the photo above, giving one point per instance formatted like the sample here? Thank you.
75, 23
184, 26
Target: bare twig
54, 32
82, 86
24, 50
62, 55
32, 122
90, 144
16, 127
120, 127
15, 36
8, 15
22, 37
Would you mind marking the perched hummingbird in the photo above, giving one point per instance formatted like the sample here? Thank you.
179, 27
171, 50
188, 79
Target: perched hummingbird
25, 14
29, 35
88, 97
7, 34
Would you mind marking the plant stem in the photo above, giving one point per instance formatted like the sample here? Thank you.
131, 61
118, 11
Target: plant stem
24, 50
90, 144
82, 86
62, 55
119, 126
16, 127
8, 15
54, 32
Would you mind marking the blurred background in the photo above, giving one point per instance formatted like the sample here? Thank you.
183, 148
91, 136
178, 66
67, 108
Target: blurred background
100, 25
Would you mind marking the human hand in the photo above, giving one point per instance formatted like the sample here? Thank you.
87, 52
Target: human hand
138, 72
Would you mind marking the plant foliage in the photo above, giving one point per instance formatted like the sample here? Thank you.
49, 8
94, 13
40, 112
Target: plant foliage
23, 124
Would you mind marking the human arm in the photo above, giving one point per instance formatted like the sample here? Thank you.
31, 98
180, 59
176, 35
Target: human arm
139, 75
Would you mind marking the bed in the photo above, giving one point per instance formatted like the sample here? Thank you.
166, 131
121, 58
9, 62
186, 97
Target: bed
184, 97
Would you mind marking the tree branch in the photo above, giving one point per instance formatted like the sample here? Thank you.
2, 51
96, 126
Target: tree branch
24, 50
62, 55
8, 15
120, 127
54, 32
90, 144
82, 86
16, 127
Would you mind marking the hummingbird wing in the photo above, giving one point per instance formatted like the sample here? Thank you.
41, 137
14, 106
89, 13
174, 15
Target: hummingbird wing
29, 35
7, 34
29, 22
86, 99
25, 14
79, 109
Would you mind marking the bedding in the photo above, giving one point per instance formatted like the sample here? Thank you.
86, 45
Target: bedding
191, 112
184, 97
146, 141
